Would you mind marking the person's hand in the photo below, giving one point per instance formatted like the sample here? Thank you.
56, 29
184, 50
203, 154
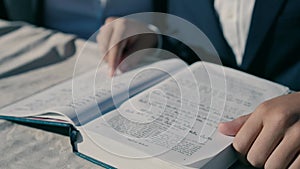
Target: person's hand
120, 37
270, 136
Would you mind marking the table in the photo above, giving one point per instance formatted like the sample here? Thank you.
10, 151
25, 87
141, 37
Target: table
23, 71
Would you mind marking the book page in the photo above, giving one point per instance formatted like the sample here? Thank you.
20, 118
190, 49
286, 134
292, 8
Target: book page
73, 99
177, 119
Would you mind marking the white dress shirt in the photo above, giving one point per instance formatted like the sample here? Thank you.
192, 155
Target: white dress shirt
235, 18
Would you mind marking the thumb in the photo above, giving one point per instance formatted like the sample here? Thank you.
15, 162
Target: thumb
231, 128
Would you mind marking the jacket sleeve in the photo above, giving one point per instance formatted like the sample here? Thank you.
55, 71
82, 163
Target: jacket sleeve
29, 11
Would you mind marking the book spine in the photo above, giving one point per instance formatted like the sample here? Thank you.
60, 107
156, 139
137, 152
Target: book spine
74, 138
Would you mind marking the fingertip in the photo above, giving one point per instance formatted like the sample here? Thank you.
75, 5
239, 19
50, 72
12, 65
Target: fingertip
114, 63
222, 128
123, 67
231, 128
221, 125
111, 72
227, 128
111, 65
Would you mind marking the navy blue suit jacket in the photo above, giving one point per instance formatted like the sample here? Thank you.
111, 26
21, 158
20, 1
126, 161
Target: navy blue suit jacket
273, 45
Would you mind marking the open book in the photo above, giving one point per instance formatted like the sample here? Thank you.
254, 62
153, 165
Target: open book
163, 115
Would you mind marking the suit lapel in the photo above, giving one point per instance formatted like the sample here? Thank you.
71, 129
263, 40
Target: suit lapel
38, 5
264, 15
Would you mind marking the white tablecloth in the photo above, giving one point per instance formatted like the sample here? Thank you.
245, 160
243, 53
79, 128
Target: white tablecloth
20, 45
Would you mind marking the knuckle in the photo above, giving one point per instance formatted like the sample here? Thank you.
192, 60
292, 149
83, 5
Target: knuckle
255, 159
268, 166
264, 107
271, 164
274, 115
297, 127
294, 131
280, 118
239, 147
109, 19
122, 22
